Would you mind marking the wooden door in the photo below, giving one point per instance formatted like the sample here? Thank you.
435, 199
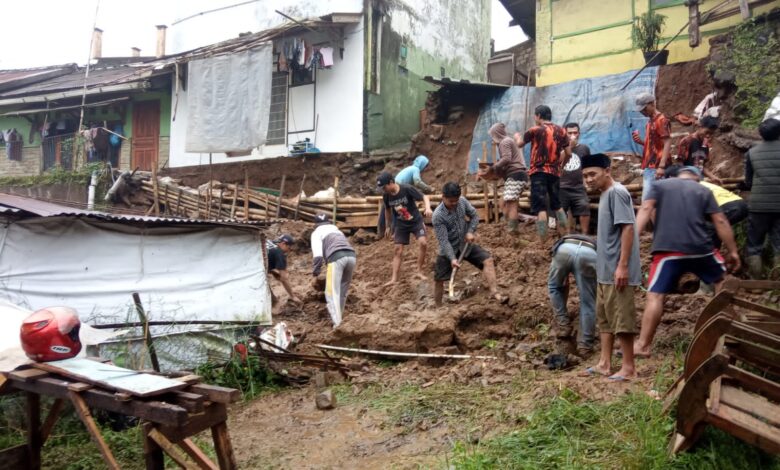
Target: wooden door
146, 134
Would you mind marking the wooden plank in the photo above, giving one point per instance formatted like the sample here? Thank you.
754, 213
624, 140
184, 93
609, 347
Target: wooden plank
223, 447
281, 195
82, 410
51, 419
213, 414
174, 453
192, 402
190, 378
152, 410
153, 453
79, 387
751, 403
112, 377
744, 9
246, 194
197, 455
748, 428
216, 393
34, 440
335, 198
148, 340
27, 375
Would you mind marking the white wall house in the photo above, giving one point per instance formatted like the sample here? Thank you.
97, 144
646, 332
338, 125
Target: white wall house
370, 96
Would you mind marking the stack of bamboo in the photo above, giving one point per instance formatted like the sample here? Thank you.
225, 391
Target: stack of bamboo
220, 201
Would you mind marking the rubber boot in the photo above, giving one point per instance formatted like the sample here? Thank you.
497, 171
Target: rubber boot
754, 266
563, 221
541, 229
511, 225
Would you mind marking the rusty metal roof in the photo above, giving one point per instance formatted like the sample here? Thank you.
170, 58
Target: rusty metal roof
25, 207
523, 14
455, 83
19, 77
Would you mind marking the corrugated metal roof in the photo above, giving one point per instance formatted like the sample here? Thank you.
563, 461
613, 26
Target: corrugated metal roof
453, 82
523, 13
25, 206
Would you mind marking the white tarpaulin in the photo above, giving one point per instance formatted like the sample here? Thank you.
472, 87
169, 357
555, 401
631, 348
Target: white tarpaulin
228, 101
183, 273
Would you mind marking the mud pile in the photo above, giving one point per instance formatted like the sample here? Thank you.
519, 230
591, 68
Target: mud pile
404, 317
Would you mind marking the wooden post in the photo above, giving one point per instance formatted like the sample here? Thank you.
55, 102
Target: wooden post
223, 447
379, 218
485, 185
51, 419
267, 204
175, 454
694, 34
744, 9
496, 208
155, 193
281, 195
167, 204
139, 307
233, 204
335, 198
219, 204
86, 417
298, 204
197, 455
246, 194
153, 453
34, 440
208, 196
178, 202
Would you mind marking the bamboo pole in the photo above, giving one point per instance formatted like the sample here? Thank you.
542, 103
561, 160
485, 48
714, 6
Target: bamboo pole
485, 185
246, 194
156, 195
233, 204
335, 197
298, 204
281, 195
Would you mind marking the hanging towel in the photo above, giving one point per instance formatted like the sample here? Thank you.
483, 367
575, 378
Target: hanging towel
327, 56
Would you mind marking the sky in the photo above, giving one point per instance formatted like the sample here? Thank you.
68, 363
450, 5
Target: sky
48, 32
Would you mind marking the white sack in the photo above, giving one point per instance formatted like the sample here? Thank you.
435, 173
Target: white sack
228, 101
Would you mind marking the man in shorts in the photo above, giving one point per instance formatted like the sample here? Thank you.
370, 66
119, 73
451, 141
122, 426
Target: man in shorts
572, 192
681, 244
617, 268
455, 223
510, 167
401, 200
656, 145
550, 150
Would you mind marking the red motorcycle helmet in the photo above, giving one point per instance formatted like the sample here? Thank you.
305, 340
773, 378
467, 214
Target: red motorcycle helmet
51, 334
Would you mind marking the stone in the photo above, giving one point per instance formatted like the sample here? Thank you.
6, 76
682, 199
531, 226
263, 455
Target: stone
325, 400
724, 78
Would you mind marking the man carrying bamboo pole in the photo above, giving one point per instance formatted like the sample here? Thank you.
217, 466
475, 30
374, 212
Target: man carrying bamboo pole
329, 245
400, 200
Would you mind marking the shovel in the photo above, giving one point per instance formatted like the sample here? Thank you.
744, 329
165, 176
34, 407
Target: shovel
463, 253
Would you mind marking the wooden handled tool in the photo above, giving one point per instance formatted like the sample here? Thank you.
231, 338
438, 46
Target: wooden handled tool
463, 253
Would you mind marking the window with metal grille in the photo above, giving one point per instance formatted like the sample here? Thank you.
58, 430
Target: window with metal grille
277, 120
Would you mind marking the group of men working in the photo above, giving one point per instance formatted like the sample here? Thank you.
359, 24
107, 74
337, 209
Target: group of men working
690, 219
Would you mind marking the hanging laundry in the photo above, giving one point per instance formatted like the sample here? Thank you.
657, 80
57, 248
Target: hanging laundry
114, 139
13, 144
282, 63
327, 56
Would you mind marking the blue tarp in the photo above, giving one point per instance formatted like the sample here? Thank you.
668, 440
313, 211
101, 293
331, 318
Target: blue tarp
605, 114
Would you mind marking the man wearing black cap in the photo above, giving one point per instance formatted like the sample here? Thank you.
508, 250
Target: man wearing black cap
277, 263
400, 200
618, 271
329, 245
681, 244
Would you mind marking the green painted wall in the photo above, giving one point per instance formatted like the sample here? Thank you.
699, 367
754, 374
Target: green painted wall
109, 113
393, 114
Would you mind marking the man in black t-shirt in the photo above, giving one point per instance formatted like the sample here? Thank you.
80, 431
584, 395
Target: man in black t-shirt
572, 189
401, 200
277, 263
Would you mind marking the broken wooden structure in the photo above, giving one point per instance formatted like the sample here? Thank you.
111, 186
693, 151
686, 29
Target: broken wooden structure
731, 376
173, 411
242, 202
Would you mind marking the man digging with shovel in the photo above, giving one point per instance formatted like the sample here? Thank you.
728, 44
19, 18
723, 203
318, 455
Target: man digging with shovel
456, 237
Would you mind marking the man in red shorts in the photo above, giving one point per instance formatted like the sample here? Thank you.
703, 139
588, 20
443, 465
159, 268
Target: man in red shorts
681, 244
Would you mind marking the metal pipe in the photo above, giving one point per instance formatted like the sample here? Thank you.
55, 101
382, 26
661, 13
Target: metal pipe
91, 194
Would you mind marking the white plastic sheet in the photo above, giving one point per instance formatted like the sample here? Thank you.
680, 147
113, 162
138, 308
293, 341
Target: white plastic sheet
182, 273
228, 101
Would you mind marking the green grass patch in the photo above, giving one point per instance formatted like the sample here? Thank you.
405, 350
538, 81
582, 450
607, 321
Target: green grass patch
466, 408
56, 175
629, 433
251, 376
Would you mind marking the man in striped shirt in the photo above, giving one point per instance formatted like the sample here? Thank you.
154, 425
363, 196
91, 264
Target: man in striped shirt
455, 223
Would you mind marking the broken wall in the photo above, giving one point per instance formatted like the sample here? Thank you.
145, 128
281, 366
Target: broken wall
407, 40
